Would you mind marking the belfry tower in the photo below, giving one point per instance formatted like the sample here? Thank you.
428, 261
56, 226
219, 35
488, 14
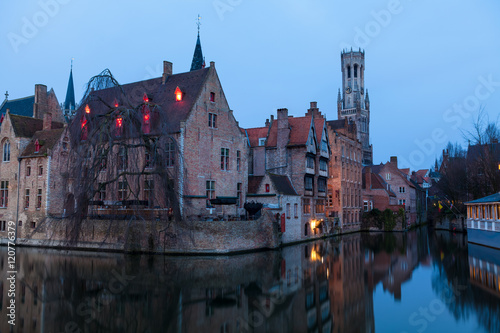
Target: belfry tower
353, 103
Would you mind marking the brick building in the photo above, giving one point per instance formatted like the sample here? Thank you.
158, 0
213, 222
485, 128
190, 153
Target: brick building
376, 193
24, 121
297, 147
178, 125
344, 184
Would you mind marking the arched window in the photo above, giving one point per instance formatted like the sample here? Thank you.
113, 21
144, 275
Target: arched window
6, 151
348, 72
355, 70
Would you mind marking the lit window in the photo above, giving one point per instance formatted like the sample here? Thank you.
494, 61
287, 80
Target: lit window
320, 206
84, 128
146, 120
212, 120
119, 126
178, 94
6, 151
306, 206
87, 109
224, 159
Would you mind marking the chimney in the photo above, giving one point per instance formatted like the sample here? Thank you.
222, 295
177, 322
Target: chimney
368, 178
283, 136
47, 121
40, 106
272, 118
267, 122
313, 110
394, 160
167, 70
212, 64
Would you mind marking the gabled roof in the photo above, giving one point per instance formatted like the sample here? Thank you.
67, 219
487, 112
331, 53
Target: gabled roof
162, 95
319, 123
21, 106
491, 198
405, 171
281, 183
379, 183
299, 132
27, 126
254, 134
46, 139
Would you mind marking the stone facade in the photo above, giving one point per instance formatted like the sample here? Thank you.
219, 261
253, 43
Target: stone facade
344, 185
353, 104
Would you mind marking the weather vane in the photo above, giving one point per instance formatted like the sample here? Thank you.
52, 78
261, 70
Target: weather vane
198, 23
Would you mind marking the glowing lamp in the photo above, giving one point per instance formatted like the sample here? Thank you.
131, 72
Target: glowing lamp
145, 98
119, 122
146, 117
116, 103
84, 122
178, 94
87, 109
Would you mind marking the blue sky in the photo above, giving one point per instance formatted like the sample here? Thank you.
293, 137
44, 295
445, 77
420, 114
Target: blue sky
422, 57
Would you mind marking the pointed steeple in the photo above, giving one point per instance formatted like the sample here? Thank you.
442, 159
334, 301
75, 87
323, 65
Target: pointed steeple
367, 99
69, 102
198, 60
339, 98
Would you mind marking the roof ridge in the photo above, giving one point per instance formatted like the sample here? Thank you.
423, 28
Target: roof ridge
18, 99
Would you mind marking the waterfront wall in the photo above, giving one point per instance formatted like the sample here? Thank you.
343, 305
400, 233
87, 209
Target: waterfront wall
156, 236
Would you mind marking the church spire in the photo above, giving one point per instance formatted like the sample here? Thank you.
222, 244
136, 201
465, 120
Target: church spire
69, 102
198, 60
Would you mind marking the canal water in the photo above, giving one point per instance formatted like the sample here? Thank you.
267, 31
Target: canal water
419, 281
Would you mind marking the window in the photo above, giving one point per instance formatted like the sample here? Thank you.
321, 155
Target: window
212, 120
6, 151
101, 192
170, 151
122, 189
308, 183
148, 157
27, 199
321, 184
295, 210
40, 170
122, 158
267, 188
324, 144
262, 141
3, 225
287, 212
239, 195
119, 126
28, 171
39, 199
320, 206
84, 128
306, 206
212, 97
402, 189
103, 158
365, 206
388, 176
348, 72
238, 160
149, 191
310, 162
33, 224
355, 70
210, 186
4, 193
401, 202
20, 223
224, 159
323, 165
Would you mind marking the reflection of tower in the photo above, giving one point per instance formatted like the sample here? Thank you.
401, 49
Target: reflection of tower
353, 104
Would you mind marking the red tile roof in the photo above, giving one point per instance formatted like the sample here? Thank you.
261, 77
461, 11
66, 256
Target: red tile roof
318, 126
254, 134
27, 126
299, 131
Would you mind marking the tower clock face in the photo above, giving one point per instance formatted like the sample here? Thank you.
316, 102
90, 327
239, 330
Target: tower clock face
348, 90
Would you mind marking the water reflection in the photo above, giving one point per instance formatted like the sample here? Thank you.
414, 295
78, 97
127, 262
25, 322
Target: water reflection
325, 286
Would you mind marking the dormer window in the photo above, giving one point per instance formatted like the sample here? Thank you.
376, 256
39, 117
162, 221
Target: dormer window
87, 108
262, 141
212, 97
178, 94
119, 126
37, 146
84, 128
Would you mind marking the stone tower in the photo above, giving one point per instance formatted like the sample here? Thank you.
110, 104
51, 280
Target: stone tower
353, 102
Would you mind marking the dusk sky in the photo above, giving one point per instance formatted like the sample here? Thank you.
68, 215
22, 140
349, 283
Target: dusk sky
430, 65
